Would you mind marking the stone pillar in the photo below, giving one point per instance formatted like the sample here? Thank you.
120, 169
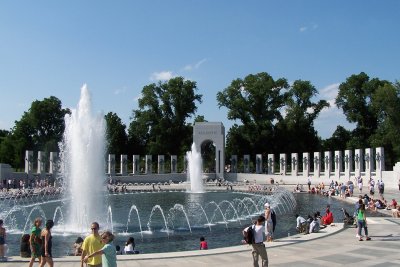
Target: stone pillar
282, 163
234, 164
317, 164
338, 164
174, 163
161, 164
28, 161
41, 162
358, 162
135, 164
259, 164
295, 164
111, 164
369, 160
348, 163
149, 164
328, 164
124, 165
306, 164
53, 163
246, 163
271, 163
379, 162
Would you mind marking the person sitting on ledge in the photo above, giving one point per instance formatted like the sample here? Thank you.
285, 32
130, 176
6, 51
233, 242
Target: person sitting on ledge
301, 224
327, 219
25, 248
396, 212
314, 225
393, 204
78, 246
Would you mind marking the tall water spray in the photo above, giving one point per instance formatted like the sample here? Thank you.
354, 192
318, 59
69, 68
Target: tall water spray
195, 167
82, 154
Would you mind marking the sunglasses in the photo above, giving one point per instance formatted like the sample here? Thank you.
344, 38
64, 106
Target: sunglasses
93, 228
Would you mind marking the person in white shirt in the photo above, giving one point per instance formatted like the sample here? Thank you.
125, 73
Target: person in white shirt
258, 245
130, 246
300, 223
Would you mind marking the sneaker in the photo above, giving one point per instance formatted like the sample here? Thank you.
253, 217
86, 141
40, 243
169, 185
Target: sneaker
360, 239
368, 238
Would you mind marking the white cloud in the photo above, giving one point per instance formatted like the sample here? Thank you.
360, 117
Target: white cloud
162, 76
313, 27
120, 91
329, 92
136, 98
197, 65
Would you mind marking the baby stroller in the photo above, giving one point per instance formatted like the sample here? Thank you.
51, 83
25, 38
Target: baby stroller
348, 220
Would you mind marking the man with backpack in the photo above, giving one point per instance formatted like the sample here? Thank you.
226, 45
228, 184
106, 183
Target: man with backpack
255, 237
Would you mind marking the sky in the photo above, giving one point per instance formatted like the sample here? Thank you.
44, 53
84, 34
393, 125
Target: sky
52, 48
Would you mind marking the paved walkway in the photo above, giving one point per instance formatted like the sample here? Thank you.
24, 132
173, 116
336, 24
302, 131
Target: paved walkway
333, 246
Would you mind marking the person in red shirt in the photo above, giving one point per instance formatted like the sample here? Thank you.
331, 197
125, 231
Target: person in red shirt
392, 204
203, 243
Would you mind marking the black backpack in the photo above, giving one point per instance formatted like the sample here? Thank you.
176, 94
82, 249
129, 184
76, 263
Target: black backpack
273, 218
248, 234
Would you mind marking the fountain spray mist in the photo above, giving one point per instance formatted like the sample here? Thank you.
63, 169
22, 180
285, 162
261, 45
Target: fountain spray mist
82, 155
195, 167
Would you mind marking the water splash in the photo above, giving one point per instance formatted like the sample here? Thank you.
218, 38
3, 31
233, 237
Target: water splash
195, 173
133, 207
82, 155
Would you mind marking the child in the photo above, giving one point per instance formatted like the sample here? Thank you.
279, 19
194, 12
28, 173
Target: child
108, 252
203, 243
2, 241
36, 242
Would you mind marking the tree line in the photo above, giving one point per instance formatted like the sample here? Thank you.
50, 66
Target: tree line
271, 116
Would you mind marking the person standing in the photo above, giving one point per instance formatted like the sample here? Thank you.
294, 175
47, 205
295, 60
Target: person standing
91, 244
268, 222
108, 252
2, 241
362, 223
258, 246
36, 242
47, 244
360, 184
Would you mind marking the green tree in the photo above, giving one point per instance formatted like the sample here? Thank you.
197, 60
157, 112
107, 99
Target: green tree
355, 98
256, 102
338, 140
160, 124
40, 128
295, 132
386, 106
117, 139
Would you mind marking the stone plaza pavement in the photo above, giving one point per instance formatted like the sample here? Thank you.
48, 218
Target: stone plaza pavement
333, 246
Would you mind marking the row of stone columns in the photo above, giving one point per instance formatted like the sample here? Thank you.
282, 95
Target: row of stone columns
42, 162
333, 164
148, 169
